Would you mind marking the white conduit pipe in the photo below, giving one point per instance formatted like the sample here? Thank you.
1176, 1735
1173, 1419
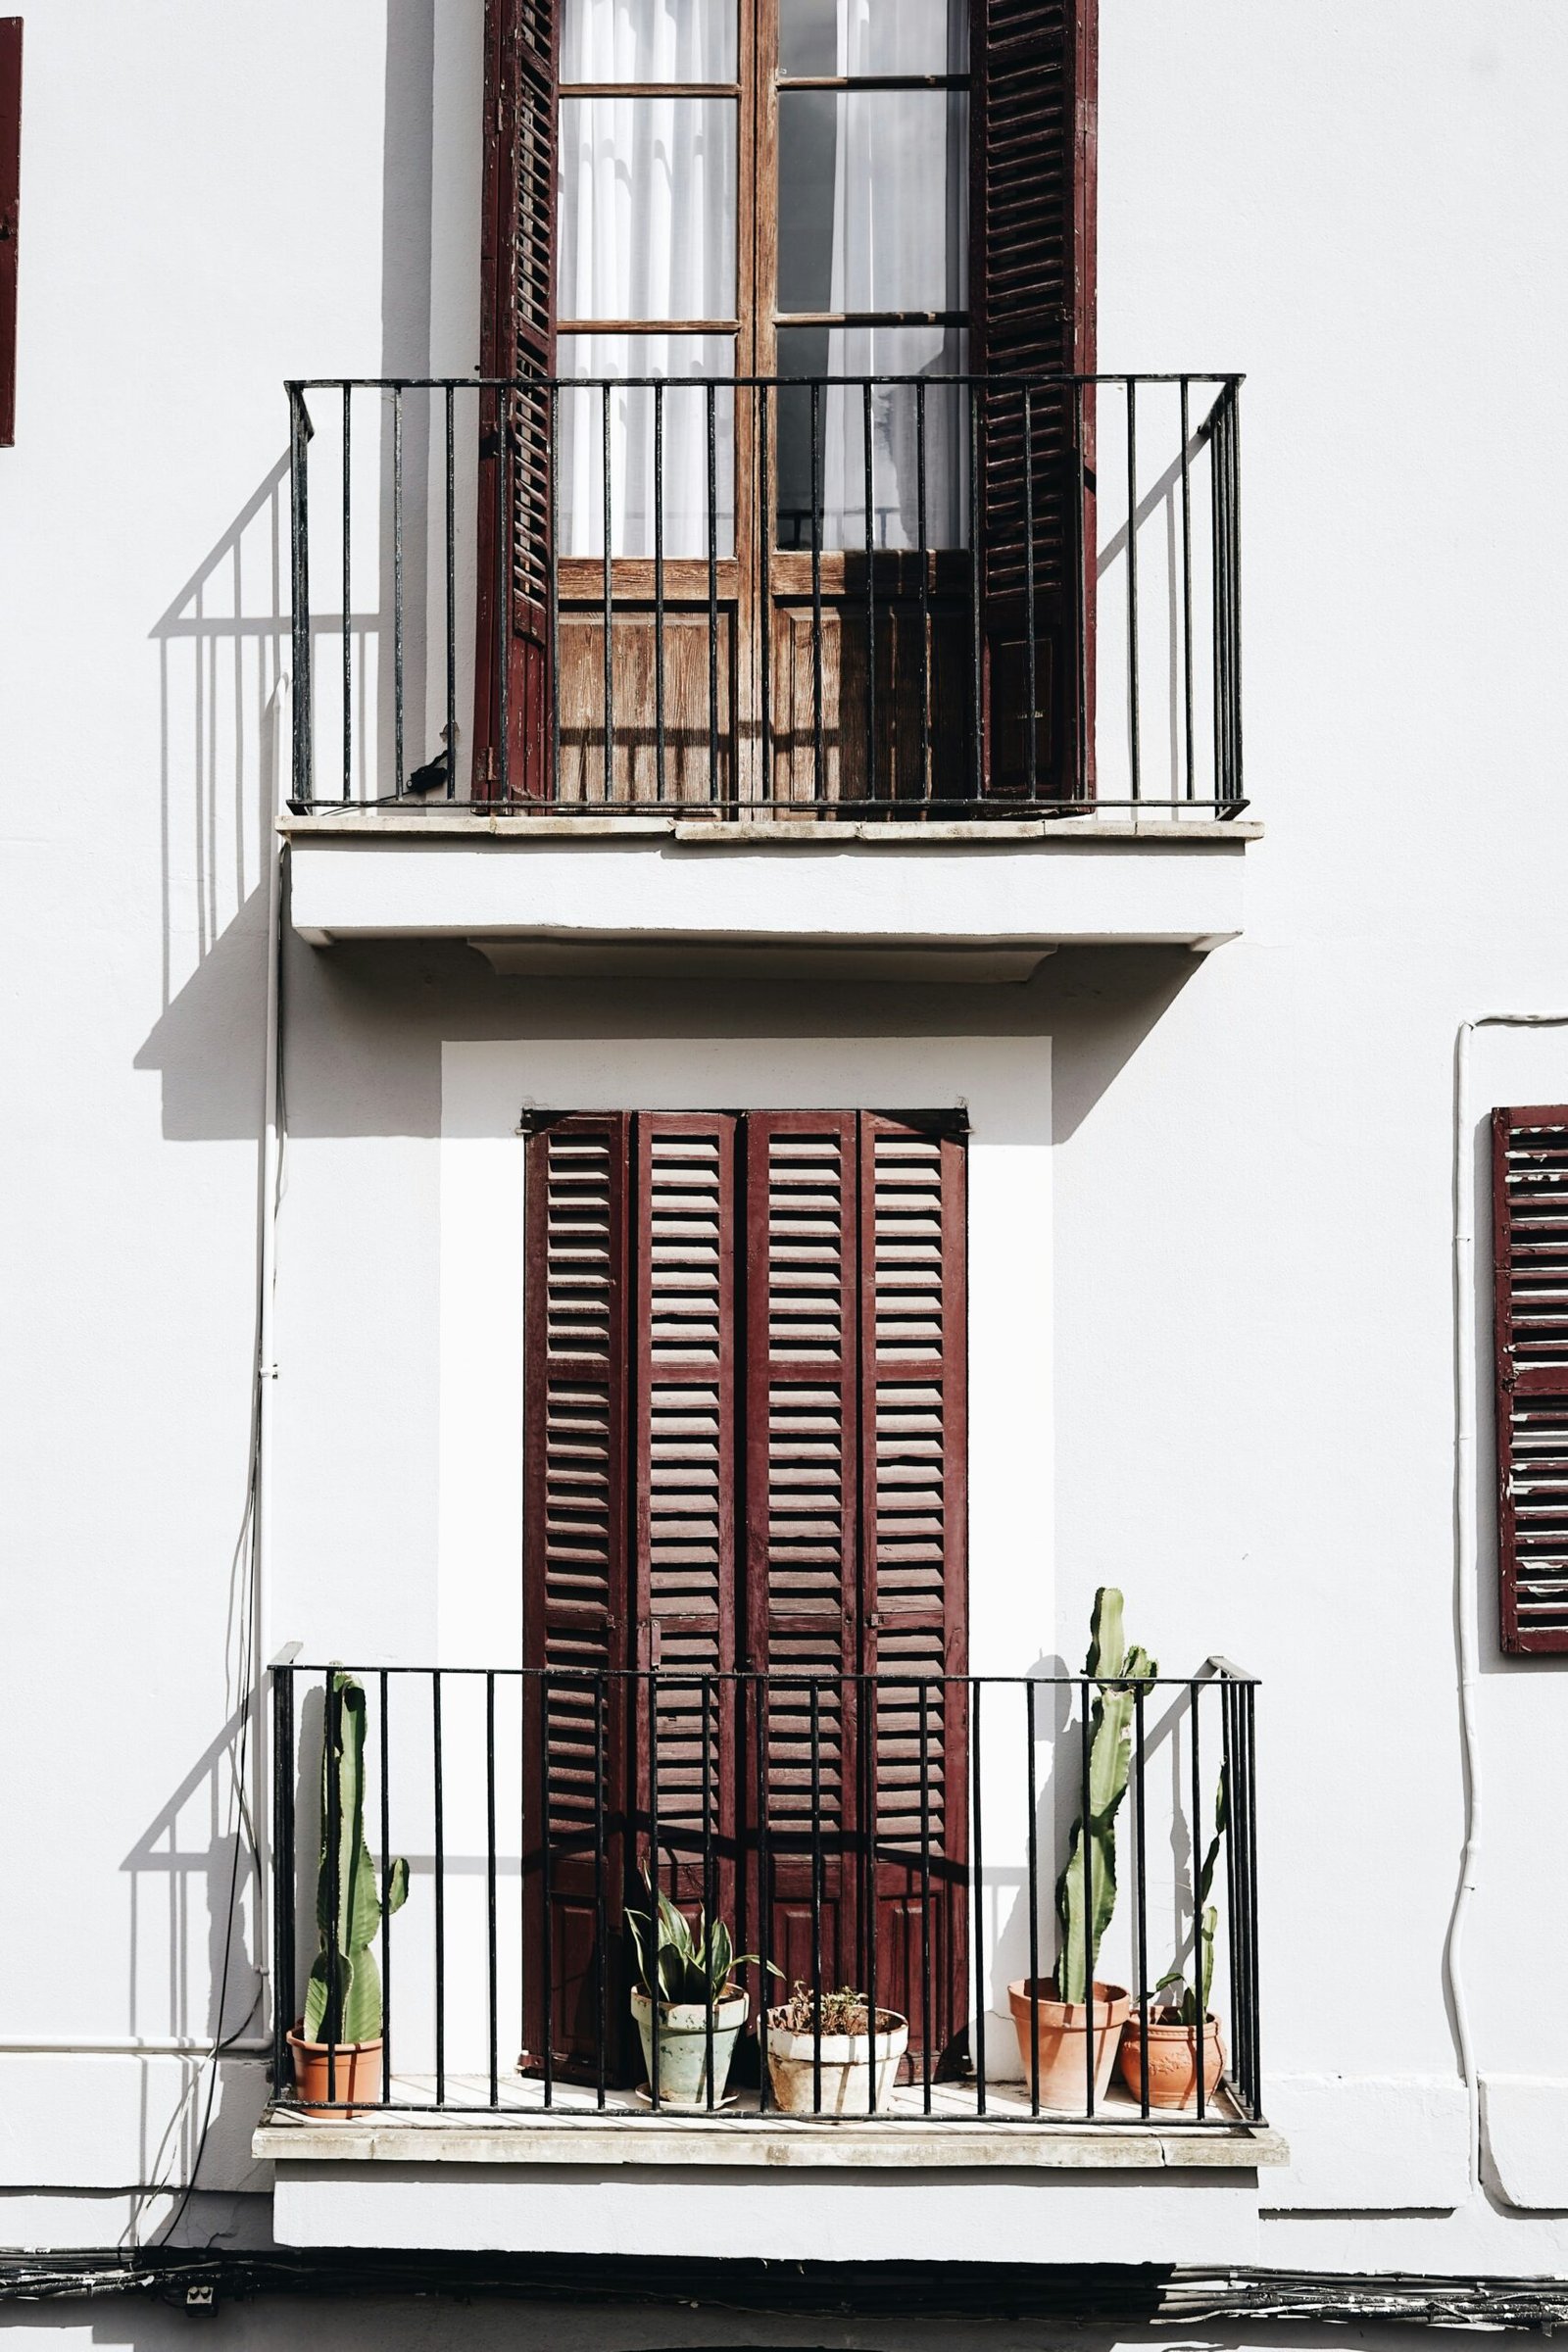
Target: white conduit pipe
1466, 1541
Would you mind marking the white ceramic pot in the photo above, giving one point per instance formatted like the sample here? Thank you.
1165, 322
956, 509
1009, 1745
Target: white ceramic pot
846, 2067
683, 2045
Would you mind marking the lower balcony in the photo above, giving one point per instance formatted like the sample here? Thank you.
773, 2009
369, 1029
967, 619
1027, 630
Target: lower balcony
912, 1834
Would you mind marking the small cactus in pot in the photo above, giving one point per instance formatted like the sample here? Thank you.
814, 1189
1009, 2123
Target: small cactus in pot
1173, 2032
1052, 2016
337, 2044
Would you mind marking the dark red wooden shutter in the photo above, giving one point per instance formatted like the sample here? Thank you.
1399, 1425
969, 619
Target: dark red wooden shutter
1034, 70
684, 1472
516, 340
803, 1499
1530, 1269
10, 203
914, 1512
575, 1602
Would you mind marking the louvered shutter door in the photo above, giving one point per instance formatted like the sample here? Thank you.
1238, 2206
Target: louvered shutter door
574, 1559
1033, 279
913, 1544
683, 1447
1530, 1265
512, 690
802, 1178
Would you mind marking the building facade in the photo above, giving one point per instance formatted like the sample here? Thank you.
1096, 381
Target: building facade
742, 958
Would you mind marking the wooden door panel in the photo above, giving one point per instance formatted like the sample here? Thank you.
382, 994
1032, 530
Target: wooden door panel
692, 710
901, 753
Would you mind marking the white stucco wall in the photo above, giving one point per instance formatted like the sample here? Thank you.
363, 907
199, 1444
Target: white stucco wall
1248, 1251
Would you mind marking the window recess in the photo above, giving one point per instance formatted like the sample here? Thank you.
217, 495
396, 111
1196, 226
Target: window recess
1530, 1305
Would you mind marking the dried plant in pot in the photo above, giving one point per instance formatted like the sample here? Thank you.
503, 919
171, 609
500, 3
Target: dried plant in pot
337, 2044
828, 2041
1172, 2038
1057, 2017
693, 1971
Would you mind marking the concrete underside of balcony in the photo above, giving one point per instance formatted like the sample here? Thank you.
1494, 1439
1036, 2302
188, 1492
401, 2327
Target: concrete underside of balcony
954, 2187
766, 898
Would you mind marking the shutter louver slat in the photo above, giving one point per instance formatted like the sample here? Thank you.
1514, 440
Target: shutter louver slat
1529, 1270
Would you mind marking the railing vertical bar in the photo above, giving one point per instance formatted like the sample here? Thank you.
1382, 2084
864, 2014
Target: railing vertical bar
554, 588
1141, 1851
977, 749
1217, 544
387, 1915
765, 1890
817, 1896
659, 590
870, 665
1034, 1904
818, 780
1187, 579
1254, 2007
1084, 1784
601, 1928
333, 1731
711, 399
440, 1891
1235, 1868
764, 518
1083, 575
927, 2000
283, 1957
1032, 722
978, 1869
866, 1702
492, 1982
653, 1880
304, 792
348, 588
1236, 593
609, 616
707, 1694
925, 590
1134, 729
397, 588
450, 434
1193, 1692
546, 1957
505, 517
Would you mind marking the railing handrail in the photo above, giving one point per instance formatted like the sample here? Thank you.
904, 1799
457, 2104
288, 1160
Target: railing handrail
693, 1676
532, 382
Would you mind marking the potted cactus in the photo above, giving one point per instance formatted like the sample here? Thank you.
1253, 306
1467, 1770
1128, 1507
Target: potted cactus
842, 2020
337, 2043
1172, 2035
1052, 2014
694, 1972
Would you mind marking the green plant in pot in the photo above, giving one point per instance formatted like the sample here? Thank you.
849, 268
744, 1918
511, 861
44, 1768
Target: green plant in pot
1053, 2016
1172, 2035
686, 1991
337, 2043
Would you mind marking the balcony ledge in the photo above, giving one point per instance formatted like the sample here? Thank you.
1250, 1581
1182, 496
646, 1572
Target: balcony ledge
637, 894
284, 2136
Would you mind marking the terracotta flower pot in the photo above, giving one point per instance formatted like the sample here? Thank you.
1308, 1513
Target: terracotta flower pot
355, 2075
1059, 2031
1172, 2059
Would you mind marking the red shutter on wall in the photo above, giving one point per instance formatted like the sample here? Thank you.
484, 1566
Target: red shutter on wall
9, 202
517, 340
1033, 270
1530, 1275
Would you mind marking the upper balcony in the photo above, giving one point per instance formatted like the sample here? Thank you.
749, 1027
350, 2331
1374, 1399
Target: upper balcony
902, 675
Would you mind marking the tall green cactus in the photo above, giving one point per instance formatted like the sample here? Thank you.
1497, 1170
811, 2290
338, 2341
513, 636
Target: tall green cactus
343, 1999
1085, 1910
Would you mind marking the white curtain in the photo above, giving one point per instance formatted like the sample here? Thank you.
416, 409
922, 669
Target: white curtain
647, 230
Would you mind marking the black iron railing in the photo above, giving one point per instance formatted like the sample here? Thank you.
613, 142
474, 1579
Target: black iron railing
901, 1834
867, 596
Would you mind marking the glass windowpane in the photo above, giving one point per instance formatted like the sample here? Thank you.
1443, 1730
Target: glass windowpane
649, 40
633, 501
872, 200
647, 216
833, 38
840, 467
